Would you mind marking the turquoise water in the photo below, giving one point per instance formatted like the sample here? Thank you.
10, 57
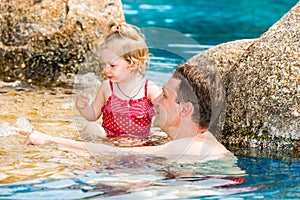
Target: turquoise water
190, 27
140, 177
208, 23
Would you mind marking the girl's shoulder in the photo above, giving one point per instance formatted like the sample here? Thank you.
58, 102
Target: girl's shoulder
105, 89
153, 84
105, 85
154, 90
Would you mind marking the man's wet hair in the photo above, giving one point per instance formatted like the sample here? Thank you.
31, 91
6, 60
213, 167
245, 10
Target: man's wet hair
193, 88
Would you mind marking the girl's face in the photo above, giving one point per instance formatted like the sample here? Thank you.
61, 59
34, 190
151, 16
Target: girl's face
116, 68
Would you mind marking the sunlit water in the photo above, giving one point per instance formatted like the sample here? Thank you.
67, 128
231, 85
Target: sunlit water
55, 172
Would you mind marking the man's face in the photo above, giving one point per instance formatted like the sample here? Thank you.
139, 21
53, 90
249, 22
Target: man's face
168, 111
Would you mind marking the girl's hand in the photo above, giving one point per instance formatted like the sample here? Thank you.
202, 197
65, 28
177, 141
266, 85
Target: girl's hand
82, 101
35, 137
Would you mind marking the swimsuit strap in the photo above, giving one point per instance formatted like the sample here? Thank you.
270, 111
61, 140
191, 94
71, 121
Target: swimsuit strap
111, 86
146, 87
146, 84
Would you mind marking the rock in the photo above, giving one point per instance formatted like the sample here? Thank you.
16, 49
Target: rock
262, 82
46, 42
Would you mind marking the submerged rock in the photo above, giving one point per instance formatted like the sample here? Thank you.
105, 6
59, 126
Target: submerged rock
262, 81
46, 42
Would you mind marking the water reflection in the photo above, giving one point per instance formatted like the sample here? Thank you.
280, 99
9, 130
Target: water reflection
135, 176
47, 110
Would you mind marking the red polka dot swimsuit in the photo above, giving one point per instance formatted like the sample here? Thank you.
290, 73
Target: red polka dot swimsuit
127, 118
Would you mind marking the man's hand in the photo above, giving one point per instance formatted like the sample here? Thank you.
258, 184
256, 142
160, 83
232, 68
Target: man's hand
35, 137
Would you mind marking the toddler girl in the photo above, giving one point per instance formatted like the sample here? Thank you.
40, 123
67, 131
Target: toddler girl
124, 99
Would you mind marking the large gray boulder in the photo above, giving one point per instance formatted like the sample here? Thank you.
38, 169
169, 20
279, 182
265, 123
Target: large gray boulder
262, 82
46, 42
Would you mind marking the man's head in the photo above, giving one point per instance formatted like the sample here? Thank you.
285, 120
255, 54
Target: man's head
193, 88
185, 101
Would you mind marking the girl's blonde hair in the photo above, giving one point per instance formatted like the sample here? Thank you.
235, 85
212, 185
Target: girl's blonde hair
128, 42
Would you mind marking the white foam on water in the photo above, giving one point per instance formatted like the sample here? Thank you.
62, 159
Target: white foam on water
22, 123
6, 129
155, 7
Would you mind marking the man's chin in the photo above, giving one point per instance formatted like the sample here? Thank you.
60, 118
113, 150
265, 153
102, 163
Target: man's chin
156, 122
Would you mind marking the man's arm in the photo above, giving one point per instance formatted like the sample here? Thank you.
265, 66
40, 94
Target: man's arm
38, 138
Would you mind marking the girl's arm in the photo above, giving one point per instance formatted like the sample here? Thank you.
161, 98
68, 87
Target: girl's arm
100, 99
92, 112
84, 108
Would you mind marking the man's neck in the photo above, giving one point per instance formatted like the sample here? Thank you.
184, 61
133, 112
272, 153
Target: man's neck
186, 131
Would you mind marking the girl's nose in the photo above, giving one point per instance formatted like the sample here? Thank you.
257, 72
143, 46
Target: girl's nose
106, 68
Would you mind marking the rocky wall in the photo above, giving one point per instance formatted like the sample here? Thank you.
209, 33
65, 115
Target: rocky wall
262, 81
46, 42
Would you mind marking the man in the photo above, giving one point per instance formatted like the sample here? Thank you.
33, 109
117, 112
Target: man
183, 111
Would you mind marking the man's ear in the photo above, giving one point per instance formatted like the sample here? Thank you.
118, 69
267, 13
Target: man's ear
187, 109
